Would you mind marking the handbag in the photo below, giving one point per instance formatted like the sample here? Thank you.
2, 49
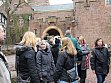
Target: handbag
72, 73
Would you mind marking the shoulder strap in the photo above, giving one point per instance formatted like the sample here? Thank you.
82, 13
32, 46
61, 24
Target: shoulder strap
17, 64
2, 56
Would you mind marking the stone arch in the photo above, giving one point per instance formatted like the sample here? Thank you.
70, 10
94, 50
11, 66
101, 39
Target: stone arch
52, 29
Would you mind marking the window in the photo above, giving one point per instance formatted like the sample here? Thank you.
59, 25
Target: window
3, 19
40, 20
68, 19
52, 19
0, 18
108, 1
21, 22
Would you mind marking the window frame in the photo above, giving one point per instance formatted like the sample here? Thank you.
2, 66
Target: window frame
107, 2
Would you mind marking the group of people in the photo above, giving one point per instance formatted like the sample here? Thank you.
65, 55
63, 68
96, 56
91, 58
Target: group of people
53, 60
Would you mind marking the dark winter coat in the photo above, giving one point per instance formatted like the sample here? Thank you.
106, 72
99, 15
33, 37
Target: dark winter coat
100, 60
55, 51
26, 64
45, 64
65, 62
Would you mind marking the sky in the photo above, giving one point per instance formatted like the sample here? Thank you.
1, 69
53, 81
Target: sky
1, 3
53, 2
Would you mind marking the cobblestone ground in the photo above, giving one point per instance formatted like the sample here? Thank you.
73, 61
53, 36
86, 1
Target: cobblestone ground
91, 78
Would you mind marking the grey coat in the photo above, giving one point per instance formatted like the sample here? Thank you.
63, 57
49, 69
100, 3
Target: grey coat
45, 64
4, 72
85, 51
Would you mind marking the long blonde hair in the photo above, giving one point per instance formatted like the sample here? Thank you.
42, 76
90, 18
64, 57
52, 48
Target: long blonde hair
69, 46
29, 39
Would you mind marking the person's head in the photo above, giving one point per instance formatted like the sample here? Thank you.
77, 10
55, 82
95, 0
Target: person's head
68, 32
99, 42
51, 40
29, 39
45, 36
67, 44
38, 40
43, 44
81, 40
2, 33
57, 39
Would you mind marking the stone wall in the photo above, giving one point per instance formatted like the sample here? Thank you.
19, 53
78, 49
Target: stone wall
94, 20
41, 25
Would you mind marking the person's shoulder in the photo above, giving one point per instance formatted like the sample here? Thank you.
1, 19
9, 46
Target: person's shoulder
62, 53
105, 48
94, 49
73, 38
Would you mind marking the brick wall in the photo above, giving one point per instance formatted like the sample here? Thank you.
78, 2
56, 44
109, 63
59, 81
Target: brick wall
61, 22
94, 21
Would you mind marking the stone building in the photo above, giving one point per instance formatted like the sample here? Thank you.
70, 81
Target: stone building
94, 19
58, 16
90, 18
3, 17
38, 2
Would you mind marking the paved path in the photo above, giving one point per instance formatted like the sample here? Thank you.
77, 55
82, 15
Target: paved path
91, 78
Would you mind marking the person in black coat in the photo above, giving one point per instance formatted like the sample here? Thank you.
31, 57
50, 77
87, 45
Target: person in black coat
100, 60
65, 61
25, 58
54, 48
45, 63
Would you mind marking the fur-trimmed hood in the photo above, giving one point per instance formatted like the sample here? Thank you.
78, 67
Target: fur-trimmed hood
21, 48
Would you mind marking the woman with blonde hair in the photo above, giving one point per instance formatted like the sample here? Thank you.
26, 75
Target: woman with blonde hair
25, 59
65, 61
45, 63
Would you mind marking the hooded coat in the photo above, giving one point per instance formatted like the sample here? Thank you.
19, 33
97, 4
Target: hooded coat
100, 60
25, 63
65, 62
45, 64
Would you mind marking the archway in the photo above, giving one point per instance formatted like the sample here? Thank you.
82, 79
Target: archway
53, 30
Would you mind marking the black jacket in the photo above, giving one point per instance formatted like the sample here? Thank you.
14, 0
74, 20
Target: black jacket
45, 64
25, 63
55, 51
100, 60
65, 62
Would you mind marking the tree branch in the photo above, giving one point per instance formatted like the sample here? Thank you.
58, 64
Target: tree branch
20, 2
10, 1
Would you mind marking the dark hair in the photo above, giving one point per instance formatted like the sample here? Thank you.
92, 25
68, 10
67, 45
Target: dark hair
96, 44
45, 38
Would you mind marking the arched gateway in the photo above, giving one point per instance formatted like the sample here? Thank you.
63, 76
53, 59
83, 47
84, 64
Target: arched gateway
53, 30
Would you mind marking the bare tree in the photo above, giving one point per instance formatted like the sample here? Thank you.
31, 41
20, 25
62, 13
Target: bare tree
10, 9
